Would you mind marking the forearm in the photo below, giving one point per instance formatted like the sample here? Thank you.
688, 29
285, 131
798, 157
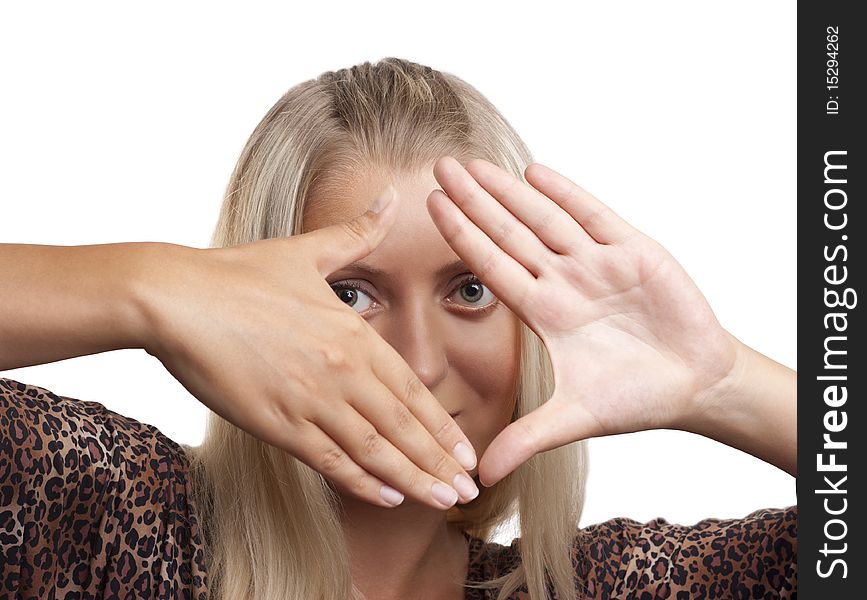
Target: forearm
754, 409
60, 302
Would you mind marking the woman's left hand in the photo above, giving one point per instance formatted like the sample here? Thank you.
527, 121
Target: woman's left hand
633, 343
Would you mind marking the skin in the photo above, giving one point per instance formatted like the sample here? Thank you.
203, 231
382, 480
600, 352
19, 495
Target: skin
256, 333
250, 330
633, 343
460, 341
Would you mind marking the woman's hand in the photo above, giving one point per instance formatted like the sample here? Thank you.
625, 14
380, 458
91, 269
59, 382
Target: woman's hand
256, 334
633, 343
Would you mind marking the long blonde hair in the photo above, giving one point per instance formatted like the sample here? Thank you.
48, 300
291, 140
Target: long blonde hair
271, 522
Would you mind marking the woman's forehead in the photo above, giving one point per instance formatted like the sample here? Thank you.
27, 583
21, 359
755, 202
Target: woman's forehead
413, 242
336, 203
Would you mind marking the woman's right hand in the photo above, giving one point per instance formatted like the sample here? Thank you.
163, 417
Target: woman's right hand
257, 335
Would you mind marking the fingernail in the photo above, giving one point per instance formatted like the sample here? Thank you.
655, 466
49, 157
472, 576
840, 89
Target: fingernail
382, 200
465, 487
444, 494
465, 456
390, 495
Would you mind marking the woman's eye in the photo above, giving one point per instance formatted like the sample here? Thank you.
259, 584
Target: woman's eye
475, 293
471, 295
353, 295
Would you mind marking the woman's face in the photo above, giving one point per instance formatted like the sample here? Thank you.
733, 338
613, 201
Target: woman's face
457, 337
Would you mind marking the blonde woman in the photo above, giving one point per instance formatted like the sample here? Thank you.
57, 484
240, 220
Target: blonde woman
405, 329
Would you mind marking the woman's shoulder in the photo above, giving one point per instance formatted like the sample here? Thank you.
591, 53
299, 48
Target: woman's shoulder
490, 559
751, 556
660, 532
44, 425
92, 499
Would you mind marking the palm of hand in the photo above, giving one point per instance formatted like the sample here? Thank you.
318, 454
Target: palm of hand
631, 339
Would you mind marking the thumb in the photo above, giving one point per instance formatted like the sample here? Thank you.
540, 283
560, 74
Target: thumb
344, 243
550, 426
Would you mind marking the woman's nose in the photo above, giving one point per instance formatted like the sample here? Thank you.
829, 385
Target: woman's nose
417, 336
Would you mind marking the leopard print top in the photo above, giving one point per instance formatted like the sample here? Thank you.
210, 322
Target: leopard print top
94, 504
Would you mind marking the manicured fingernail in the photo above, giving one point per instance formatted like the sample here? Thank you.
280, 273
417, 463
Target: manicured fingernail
465, 487
383, 199
444, 494
390, 495
464, 455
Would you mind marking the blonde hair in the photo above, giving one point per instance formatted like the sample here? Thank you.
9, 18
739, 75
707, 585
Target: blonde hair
271, 522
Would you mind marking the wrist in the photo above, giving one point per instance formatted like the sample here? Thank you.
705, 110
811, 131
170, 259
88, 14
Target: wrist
139, 288
720, 400
753, 408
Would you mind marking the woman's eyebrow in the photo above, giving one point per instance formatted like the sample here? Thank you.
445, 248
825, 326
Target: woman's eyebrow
446, 269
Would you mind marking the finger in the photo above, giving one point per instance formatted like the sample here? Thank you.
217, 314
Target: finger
321, 453
397, 423
545, 218
596, 218
508, 279
378, 456
491, 217
354, 239
390, 368
550, 426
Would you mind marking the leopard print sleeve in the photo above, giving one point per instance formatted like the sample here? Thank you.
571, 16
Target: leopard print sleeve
750, 557
92, 503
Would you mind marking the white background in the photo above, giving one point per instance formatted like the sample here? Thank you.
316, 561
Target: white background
123, 123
